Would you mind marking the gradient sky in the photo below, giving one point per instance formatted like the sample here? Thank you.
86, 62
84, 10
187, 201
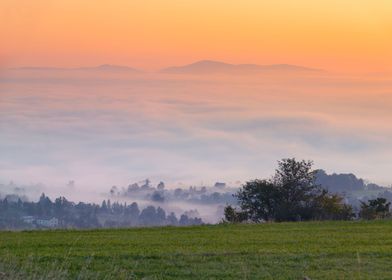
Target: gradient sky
343, 36
101, 129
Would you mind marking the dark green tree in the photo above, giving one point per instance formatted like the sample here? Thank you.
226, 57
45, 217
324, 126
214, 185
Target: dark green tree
375, 209
257, 199
234, 216
290, 195
332, 207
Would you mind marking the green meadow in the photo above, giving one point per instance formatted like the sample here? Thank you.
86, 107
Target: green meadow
315, 250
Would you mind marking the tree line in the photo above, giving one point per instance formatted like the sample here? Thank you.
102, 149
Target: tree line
18, 214
293, 195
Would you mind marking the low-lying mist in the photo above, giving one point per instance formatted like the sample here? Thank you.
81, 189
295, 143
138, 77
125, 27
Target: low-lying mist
75, 133
203, 202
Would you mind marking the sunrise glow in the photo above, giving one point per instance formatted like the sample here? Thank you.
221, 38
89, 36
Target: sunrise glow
343, 36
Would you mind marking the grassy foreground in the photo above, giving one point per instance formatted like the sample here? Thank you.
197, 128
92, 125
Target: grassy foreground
318, 250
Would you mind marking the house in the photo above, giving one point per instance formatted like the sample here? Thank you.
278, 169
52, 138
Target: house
52, 223
28, 219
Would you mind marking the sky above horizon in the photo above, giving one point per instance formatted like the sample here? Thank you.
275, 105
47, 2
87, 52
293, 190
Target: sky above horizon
340, 36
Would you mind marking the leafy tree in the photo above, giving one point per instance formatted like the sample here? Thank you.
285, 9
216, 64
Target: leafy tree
184, 220
161, 186
161, 216
104, 207
332, 207
172, 219
157, 196
148, 216
234, 216
375, 209
257, 200
290, 195
296, 190
132, 213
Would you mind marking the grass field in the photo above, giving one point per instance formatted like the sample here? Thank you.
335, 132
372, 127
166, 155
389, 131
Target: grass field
318, 250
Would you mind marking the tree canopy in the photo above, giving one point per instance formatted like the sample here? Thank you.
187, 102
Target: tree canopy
290, 195
375, 209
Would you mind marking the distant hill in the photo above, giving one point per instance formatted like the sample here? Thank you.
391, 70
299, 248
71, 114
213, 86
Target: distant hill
344, 183
103, 68
210, 67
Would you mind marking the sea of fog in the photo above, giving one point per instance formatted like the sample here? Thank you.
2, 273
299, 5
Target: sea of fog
102, 129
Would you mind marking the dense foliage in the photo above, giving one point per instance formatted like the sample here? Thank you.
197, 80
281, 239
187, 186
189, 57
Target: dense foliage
375, 209
203, 195
18, 214
291, 195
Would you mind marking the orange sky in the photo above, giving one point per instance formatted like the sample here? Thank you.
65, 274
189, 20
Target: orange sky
349, 35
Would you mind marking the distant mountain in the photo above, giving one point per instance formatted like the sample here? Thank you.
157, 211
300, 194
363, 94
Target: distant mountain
103, 67
210, 67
